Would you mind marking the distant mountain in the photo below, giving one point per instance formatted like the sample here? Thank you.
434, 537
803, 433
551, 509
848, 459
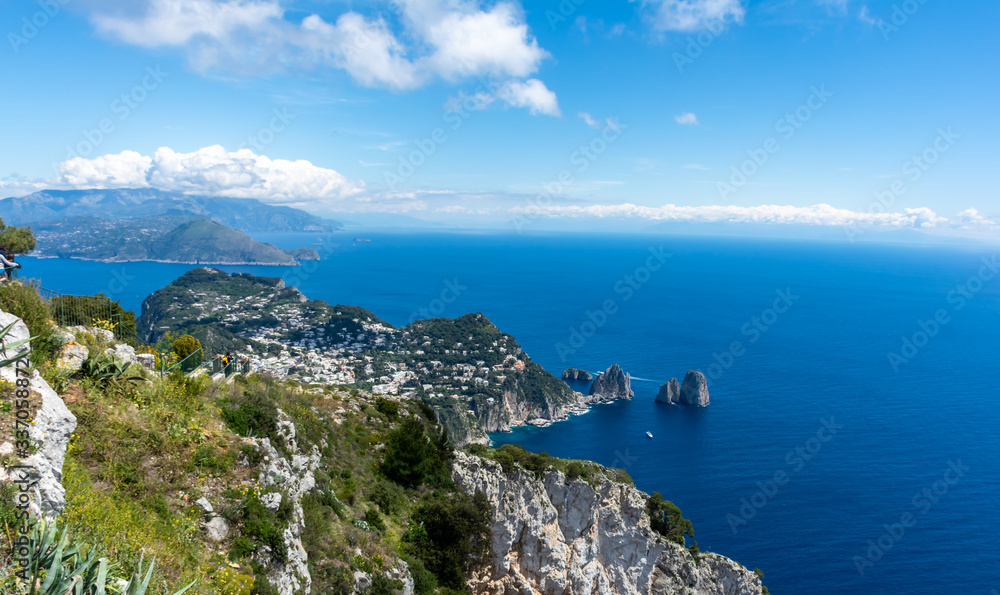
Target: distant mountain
169, 238
244, 214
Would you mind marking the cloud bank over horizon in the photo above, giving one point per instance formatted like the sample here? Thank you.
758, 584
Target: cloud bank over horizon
214, 171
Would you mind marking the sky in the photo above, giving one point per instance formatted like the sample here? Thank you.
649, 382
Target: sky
820, 112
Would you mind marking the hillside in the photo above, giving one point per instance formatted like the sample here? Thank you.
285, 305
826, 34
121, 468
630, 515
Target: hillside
259, 486
243, 214
474, 375
166, 238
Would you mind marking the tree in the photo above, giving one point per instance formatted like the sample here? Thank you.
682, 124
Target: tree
451, 536
185, 346
413, 458
19, 240
665, 518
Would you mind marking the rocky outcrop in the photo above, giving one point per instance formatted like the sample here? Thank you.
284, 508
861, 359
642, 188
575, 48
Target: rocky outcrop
694, 389
612, 385
577, 374
71, 357
295, 478
123, 353
670, 392
558, 535
52, 427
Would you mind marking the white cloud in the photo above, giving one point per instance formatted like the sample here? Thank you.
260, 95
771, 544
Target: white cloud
695, 15
210, 171
821, 214
589, 120
697, 166
688, 119
532, 94
449, 40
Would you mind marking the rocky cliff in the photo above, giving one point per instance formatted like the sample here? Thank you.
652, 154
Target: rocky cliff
576, 374
613, 384
694, 389
49, 432
669, 392
552, 534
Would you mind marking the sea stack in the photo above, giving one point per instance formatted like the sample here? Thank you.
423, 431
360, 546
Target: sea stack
694, 389
613, 384
576, 374
670, 392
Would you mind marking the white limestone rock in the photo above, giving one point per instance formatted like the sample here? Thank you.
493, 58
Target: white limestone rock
72, 356
51, 431
558, 535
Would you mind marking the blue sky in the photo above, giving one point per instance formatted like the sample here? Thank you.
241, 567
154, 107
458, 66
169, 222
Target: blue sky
467, 110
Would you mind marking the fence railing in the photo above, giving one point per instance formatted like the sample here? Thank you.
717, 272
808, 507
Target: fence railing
186, 365
235, 366
85, 310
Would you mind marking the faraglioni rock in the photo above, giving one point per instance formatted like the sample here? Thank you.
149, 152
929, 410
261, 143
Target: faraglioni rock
670, 392
694, 389
576, 374
612, 385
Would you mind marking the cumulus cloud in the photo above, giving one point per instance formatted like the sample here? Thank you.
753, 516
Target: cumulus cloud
419, 42
532, 94
687, 119
694, 15
210, 171
590, 121
821, 214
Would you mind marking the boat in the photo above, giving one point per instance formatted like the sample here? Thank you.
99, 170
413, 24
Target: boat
649, 434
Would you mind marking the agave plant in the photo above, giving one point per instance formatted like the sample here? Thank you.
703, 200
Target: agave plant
104, 369
8, 361
70, 572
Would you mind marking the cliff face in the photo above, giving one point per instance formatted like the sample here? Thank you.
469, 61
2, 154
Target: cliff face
669, 392
612, 384
694, 389
562, 536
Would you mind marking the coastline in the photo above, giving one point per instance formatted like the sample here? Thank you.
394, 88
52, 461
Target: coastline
201, 263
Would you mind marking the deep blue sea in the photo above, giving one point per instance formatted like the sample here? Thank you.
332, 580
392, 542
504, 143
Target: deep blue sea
817, 461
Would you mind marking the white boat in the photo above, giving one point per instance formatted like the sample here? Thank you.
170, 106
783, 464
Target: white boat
649, 434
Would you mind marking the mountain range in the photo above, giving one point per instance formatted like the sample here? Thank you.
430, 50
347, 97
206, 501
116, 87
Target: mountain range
243, 214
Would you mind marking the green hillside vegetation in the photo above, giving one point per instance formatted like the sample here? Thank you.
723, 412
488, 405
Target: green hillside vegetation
147, 448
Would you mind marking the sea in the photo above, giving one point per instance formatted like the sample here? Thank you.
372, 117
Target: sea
852, 444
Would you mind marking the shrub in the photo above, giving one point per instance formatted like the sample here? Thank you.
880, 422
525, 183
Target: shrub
424, 582
185, 346
388, 496
451, 536
665, 518
374, 520
576, 470
387, 407
412, 458
252, 414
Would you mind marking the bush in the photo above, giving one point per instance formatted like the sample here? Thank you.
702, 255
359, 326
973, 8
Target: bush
412, 458
451, 535
374, 520
185, 346
387, 407
576, 470
252, 414
388, 496
665, 518
424, 582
